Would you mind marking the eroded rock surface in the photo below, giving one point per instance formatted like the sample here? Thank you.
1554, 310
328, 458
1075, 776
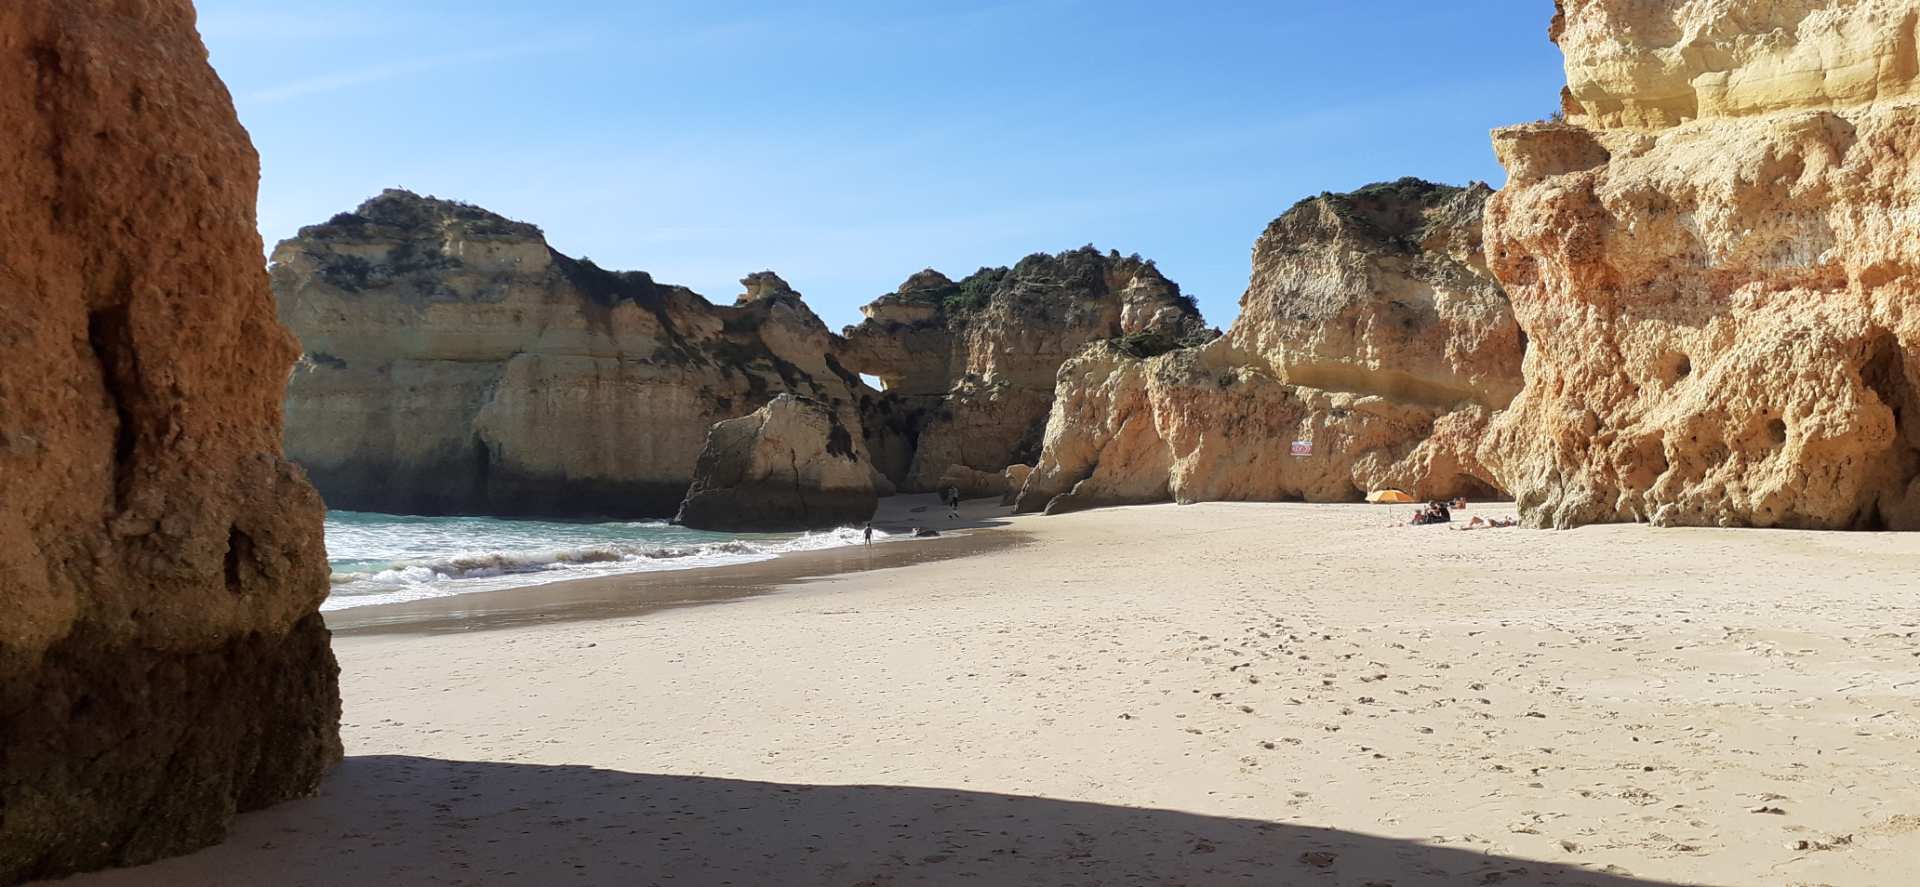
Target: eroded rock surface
456, 364
162, 662
1714, 259
974, 484
970, 367
792, 465
1370, 335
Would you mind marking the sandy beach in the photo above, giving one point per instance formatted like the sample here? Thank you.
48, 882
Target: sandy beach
1212, 694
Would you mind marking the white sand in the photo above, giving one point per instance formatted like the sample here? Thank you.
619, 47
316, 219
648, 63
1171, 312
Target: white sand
1217, 694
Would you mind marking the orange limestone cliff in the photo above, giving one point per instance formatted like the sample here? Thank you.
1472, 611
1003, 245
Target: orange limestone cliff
162, 662
1714, 258
1371, 349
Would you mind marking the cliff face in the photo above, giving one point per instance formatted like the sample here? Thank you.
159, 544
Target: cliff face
792, 465
1714, 259
162, 662
1370, 333
457, 364
1652, 66
969, 367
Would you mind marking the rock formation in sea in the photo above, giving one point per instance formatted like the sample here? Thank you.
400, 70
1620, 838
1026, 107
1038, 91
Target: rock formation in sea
457, 364
792, 465
969, 367
162, 662
1714, 257
1371, 349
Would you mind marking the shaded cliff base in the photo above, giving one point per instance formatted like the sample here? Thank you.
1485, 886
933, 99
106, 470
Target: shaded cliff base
368, 485
1604, 706
198, 737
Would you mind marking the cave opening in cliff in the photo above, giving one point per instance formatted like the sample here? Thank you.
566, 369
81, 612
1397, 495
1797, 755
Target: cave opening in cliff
1884, 373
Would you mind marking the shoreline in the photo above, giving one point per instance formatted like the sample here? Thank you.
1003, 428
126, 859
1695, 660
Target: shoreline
637, 594
984, 526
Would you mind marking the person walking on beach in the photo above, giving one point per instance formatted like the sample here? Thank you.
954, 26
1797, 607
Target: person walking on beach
952, 498
869, 535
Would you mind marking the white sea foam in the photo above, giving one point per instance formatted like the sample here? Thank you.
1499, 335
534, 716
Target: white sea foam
382, 560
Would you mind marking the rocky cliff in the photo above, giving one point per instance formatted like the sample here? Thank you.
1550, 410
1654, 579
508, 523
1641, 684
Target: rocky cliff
455, 363
1371, 334
1714, 259
162, 663
969, 367
792, 465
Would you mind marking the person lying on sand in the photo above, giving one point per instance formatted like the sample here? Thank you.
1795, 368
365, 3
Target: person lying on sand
1481, 523
924, 533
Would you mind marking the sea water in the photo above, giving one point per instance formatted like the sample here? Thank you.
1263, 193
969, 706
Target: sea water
384, 558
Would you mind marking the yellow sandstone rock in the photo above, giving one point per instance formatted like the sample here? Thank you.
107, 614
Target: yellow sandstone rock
1370, 349
1714, 261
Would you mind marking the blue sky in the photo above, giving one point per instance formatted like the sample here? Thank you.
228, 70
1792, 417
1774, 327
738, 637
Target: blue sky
848, 144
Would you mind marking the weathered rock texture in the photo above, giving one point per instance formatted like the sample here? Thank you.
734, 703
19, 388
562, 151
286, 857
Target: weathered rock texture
792, 465
162, 664
457, 364
1016, 479
969, 367
1715, 259
974, 484
1371, 331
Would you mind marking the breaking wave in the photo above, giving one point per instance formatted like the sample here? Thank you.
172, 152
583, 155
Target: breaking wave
381, 559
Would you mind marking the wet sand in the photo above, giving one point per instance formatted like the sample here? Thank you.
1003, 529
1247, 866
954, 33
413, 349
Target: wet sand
635, 594
1213, 694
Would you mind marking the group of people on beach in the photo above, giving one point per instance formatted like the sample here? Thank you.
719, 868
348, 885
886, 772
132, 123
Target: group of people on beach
1441, 512
1436, 512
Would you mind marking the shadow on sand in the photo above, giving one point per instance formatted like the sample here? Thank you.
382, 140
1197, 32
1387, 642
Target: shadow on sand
417, 821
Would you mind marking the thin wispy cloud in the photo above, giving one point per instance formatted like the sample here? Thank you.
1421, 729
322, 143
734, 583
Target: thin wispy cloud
221, 25
373, 74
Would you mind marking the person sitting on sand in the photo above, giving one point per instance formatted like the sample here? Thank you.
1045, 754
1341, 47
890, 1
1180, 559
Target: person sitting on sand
1435, 513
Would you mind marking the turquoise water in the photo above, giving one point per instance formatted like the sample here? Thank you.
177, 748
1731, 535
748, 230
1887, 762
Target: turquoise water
385, 558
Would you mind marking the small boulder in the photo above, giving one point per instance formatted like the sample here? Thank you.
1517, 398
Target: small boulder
793, 465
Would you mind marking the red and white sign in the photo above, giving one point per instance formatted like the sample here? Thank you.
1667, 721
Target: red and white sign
1303, 448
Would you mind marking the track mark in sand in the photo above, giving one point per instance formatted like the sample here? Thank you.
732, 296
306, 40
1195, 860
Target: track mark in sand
1898, 824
